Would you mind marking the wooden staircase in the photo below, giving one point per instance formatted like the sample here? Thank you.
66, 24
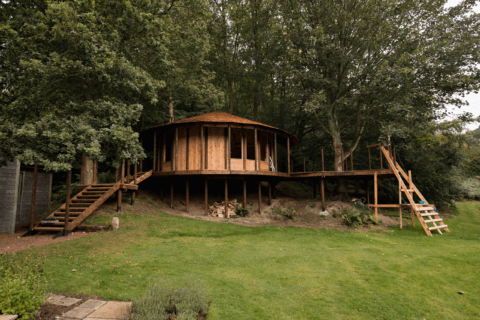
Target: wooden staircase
425, 212
86, 202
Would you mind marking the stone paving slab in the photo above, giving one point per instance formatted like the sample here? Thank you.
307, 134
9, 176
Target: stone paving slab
62, 300
111, 310
92, 304
10, 317
84, 309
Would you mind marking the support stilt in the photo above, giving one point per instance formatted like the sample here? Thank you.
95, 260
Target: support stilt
322, 190
227, 215
187, 195
206, 197
259, 197
244, 194
171, 194
269, 193
375, 193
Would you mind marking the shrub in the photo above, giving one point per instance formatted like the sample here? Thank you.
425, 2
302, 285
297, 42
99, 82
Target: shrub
160, 302
354, 218
241, 212
282, 213
22, 285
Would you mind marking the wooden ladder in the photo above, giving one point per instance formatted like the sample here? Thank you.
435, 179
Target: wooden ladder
422, 211
86, 202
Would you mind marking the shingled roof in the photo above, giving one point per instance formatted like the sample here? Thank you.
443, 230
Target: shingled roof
222, 117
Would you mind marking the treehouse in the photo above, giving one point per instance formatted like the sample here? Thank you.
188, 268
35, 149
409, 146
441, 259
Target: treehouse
222, 146
216, 143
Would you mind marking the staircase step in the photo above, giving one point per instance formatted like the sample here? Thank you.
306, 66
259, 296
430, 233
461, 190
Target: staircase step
424, 208
84, 200
93, 193
428, 214
433, 220
79, 205
70, 218
103, 185
56, 224
438, 227
48, 229
89, 196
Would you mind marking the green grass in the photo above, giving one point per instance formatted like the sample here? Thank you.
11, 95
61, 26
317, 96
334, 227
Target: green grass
281, 273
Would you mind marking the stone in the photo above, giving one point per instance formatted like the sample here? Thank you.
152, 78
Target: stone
92, 304
112, 310
115, 223
64, 301
78, 313
8, 317
54, 298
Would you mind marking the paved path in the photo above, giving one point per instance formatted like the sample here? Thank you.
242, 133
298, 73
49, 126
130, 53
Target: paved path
89, 310
92, 309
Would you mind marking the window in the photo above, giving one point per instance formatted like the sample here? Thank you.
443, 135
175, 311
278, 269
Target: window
236, 143
263, 145
168, 147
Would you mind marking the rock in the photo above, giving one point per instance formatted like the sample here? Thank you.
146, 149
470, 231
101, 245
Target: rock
220, 215
115, 224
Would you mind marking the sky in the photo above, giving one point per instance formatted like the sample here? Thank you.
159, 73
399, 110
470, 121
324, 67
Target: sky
473, 99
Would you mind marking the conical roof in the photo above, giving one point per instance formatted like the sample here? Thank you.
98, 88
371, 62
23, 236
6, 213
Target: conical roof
222, 117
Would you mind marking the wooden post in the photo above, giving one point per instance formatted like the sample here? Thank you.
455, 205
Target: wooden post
95, 171
175, 149
206, 148
187, 195
227, 215
67, 199
229, 154
122, 173
188, 150
269, 193
381, 158
323, 162
202, 140
259, 197
154, 151
134, 193
34, 194
244, 193
128, 171
410, 187
256, 149
369, 163
400, 202
351, 160
171, 194
141, 161
375, 193
288, 155
206, 196
322, 190
244, 149
275, 143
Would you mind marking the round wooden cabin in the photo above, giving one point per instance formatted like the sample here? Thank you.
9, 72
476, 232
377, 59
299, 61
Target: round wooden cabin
216, 143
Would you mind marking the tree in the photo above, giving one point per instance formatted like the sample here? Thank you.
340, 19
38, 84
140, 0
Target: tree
358, 62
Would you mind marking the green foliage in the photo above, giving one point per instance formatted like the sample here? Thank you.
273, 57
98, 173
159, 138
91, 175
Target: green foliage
22, 284
241, 212
355, 217
283, 213
470, 187
106, 177
162, 302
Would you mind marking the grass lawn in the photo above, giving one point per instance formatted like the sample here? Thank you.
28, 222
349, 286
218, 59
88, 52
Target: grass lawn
280, 273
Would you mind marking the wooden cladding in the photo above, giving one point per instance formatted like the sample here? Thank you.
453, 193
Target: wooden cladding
199, 147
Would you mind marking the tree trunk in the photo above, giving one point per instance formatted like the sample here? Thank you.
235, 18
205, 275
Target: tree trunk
87, 170
339, 154
230, 95
170, 107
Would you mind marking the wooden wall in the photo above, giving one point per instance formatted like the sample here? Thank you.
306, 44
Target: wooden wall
215, 143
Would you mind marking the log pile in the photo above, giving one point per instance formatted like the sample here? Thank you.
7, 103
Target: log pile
218, 208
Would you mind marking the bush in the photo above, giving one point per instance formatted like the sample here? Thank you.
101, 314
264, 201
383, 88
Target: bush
241, 212
22, 284
354, 218
282, 213
186, 303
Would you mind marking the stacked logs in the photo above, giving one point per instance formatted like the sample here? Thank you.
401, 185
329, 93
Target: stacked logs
218, 208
